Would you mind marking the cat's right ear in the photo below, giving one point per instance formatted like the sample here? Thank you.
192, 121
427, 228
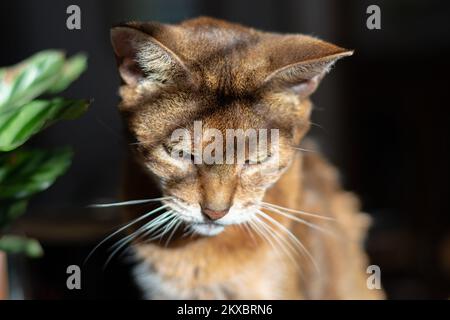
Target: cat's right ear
141, 58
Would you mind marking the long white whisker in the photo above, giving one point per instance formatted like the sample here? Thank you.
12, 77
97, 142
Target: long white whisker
290, 246
303, 149
291, 236
259, 232
162, 228
127, 203
314, 215
143, 228
279, 240
125, 241
189, 232
249, 230
123, 228
157, 225
168, 227
175, 227
294, 218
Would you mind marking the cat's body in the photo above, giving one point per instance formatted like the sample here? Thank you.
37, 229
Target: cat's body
230, 76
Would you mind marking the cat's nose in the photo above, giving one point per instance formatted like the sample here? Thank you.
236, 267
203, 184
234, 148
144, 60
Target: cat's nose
214, 214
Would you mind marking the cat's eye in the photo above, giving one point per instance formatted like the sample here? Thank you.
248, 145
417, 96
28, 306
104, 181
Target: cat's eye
178, 153
187, 156
168, 148
259, 160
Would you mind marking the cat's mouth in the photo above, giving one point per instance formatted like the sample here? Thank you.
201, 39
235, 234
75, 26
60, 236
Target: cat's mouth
192, 217
207, 228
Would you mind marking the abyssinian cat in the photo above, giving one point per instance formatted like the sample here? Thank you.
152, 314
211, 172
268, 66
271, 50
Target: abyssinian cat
260, 229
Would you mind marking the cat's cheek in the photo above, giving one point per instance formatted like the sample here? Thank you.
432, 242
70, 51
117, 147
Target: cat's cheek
164, 165
257, 180
157, 170
166, 173
245, 199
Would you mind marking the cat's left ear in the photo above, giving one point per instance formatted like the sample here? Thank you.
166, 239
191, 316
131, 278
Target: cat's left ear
298, 63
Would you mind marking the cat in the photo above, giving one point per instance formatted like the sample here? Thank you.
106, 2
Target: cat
264, 229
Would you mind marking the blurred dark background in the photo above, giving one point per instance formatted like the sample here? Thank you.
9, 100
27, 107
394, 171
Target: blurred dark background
381, 117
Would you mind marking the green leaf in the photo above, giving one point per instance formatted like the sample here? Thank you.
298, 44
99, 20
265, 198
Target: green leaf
72, 69
19, 124
24, 173
16, 244
10, 210
45, 72
21, 83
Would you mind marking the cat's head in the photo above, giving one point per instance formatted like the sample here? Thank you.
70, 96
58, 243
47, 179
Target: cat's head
208, 76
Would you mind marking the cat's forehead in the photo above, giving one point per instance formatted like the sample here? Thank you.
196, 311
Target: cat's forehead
156, 120
203, 38
235, 115
215, 113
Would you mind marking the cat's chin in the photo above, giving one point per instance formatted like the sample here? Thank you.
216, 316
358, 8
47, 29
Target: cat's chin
207, 229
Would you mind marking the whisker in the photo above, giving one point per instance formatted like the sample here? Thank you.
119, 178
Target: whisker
283, 243
114, 131
163, 228
157, 225
309, 214
123, 228
300, 220
188, 231
175, 227
128, 239
138, 233
249, 231
169, 226
136, 143
318, 126
261, 234
291, 236
303, 149
127, 203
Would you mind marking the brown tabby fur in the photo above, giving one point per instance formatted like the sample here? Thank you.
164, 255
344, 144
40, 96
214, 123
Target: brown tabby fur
230, 76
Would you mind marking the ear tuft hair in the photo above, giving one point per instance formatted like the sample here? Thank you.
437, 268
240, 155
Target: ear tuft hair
140, 57
298, 63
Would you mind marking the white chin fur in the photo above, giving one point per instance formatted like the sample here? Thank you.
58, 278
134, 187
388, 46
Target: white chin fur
207, 229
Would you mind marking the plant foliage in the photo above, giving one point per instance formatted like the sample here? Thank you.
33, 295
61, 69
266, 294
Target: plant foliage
26, 108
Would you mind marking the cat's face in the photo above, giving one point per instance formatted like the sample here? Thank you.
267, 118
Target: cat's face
215, 111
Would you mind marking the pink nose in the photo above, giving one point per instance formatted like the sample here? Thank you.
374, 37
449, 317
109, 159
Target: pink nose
214, 214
